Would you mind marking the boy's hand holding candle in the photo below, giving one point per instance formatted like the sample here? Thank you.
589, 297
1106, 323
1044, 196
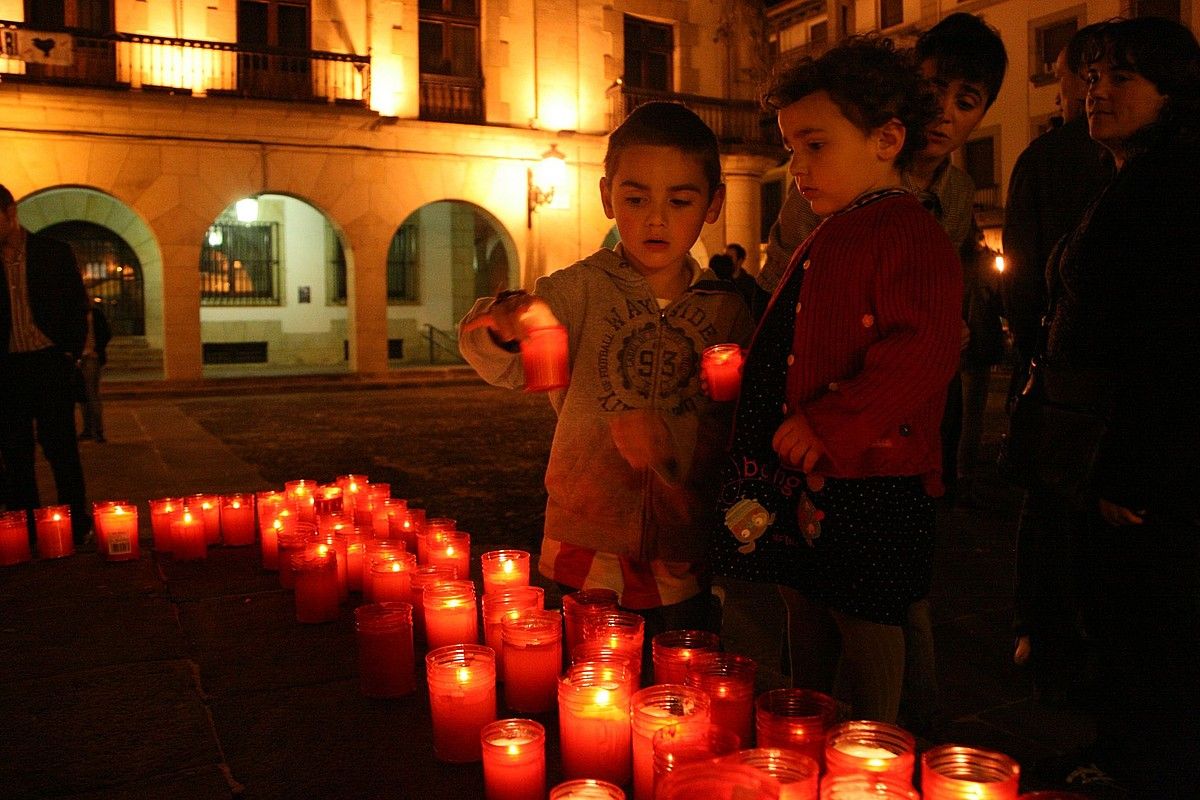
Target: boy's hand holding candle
513, 315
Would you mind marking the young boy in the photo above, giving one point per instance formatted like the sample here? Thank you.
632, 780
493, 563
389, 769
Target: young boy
836, 434
633, 461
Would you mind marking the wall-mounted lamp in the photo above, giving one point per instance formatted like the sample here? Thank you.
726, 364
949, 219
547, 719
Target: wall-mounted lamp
545, 178
247, 209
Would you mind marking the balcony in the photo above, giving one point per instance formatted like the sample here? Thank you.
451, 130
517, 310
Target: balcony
190, 66
739, 124
450, 98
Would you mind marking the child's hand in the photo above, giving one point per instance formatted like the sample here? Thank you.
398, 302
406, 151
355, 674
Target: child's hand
797, 445
642, 438
514, 315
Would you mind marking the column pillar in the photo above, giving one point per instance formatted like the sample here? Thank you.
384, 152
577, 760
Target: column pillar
743, 202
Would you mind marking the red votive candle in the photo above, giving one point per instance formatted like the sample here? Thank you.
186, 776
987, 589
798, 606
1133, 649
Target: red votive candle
452, 549
351, 485
721, 366
388, 509
376, 551
385, 649
237, 520
593, 721
188, 542
53, 527
876, 787
544, 359
728, 680
406, 526
163, 512
327, 500
718, 781
421, 578
507, 603
687, 743
503, 569
652, 709
431, 533
116, 530
391, 578
334, 543
451, 614
514, 760
795, 719
317, 592
462, 699
356, 548
586, 789
301, 495
578, 605
953, 772
14, 538
623, 631
292, 543
207, 508
870, 748
532, 660
798, 775
283, 523
672, 650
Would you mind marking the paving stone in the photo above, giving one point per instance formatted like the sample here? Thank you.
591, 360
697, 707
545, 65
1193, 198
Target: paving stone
225, 571
205, 783
76, 580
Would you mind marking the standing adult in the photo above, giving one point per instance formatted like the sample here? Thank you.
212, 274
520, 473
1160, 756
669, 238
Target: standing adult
91, 362
1127, 292
1052, 183
742, 280
43, 322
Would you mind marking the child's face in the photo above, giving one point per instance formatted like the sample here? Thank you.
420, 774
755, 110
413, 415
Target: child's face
659, 199
961, 106
833, 161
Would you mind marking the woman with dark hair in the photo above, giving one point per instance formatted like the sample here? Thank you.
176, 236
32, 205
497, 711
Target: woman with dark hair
1125, 289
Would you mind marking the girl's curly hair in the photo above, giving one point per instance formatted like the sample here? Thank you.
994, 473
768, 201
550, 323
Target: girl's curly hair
871, 83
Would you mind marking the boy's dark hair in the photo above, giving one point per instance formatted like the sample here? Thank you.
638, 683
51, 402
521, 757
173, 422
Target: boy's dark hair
663, 124
965, 47
737, 248
871, 84
722, 265
6, 198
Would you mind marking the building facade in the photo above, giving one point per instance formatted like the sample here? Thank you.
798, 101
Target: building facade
326, 185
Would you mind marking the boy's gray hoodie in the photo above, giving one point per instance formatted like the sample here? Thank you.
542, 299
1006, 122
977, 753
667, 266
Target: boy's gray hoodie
627, 354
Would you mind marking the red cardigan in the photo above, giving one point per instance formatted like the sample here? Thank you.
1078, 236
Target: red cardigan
877, 339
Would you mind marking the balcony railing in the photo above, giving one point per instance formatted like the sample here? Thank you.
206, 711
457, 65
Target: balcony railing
736, 122
136, 61
449, 98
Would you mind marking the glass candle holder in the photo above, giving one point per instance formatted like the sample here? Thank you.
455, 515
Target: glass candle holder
672, 650
586, 789
506, 604
301, 495
544, 359
451, 548
451, 614
954, 772
351, 486
651, 709
619, 630
580, 604
721, 781
116, 524
594, 724
406, 526
387, 510
385, 649
317, 592
333, 523
188, 540
532, 660
291, 543
600, 653
236, 519
334, 543
52, 525
163, 512
378, 549
391, 578
689, 742
728, 680
795, 719
278, 522
431, 533
268, 503
863, 787
207, 508
423, 577
514, 760
798, 775
504, 569
327, 500
869, 747
462, 699
355, 550
721, 365
14, 538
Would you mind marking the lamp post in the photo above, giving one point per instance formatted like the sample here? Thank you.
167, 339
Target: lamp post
545, 178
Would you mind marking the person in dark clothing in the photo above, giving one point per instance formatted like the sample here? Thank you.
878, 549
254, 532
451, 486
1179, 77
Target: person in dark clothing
1127, 292
43, 323
90, 363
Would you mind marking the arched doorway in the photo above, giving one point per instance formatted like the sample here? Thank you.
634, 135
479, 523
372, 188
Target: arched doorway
111, 272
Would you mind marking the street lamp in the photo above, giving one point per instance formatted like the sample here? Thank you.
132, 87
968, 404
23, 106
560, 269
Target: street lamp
545, 178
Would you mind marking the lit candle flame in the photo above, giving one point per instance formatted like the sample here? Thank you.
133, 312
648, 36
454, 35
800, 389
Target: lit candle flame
506, 565
464, 675
513, 750
450, 550
603, 697
453, 602
187, 518
57, 517
236, 504
999, 263
323, 549
395, 566
277, 524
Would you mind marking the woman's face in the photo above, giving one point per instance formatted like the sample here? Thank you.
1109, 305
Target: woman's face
1120, 102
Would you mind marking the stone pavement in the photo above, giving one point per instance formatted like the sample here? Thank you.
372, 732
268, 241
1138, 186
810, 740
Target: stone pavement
156, 679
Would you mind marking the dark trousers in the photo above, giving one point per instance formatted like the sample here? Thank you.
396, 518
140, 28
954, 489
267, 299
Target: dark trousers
1142, 594
37, 404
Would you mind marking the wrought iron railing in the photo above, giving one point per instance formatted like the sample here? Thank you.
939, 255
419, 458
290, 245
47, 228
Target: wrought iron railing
443, 346
136, 61
736, 122
449, 98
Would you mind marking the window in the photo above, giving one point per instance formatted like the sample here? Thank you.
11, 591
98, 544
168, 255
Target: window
891, 13
239, 264
448, 37
402, 265
273, 23
818, 33
649, 54
1049, 41
90, 15
979, 161
1171, 9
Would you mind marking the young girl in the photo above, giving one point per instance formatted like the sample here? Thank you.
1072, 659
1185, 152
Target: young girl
835, 452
